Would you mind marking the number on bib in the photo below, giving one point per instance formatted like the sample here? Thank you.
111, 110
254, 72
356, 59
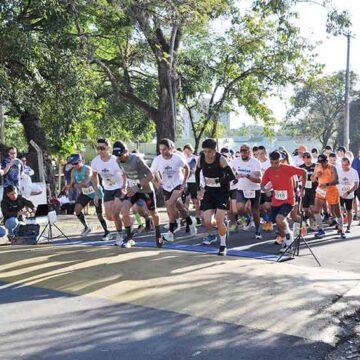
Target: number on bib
308, 184
132, 182
211, 182
249, 194
88, 190
281, 195
321, 192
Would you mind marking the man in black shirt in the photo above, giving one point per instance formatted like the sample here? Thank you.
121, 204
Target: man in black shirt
12, 206
310, 189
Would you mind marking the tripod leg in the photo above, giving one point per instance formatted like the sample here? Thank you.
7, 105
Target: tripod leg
314, 256
61, 232
41, 235
50, 233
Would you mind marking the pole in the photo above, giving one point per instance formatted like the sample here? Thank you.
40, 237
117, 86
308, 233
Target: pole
2, 124
347, 93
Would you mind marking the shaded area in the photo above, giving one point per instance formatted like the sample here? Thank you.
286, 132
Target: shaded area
44, 324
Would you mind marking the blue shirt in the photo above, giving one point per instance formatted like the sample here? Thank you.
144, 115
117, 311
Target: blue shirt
12, 177
356, 165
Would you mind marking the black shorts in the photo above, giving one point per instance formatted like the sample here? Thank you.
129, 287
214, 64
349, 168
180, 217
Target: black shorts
264, 198
167, 194
110, 195
83, 200
309, 198
191, 190
255, 202
213, 200
284, 210
348, 203
233, 194
149, 199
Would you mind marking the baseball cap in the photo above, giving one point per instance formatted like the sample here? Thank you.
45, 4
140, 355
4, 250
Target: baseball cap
119, 148
75, 158
322, 158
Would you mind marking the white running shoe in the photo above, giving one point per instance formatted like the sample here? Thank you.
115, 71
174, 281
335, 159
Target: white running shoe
119, 240
178, 227
168, 236
86, 231
192, 227
106, 237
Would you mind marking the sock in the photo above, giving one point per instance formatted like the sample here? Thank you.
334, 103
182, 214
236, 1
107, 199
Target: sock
157, 231
128, 231
138, 219
222, 240
103, 223
319, 222
172, 227
188, 220
82, 219
340, 222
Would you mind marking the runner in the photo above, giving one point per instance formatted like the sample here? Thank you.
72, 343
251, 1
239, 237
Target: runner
215, 195
310, 189
81, 179
283, 200
327, 177
191, 190
138, 187
248, 172
113, 180
265, 201
174, 172
298, 159
348, 184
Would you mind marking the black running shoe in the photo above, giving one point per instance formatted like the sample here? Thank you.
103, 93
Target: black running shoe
222, 251
159, 242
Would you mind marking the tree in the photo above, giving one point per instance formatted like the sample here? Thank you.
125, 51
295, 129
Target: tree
317, 108
240, 68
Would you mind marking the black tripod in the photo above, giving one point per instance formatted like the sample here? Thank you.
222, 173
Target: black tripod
294, 248
49, 226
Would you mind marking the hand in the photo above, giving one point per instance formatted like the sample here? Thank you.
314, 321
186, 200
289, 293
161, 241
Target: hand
182, 188
96, 200
200, 194
302, 192
131, 191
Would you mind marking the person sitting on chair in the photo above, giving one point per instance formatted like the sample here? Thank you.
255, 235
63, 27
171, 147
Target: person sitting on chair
14, 205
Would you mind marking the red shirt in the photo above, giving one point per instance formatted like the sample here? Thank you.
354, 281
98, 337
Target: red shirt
282, 183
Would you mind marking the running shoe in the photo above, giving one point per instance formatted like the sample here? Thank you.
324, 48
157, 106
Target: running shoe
348, 229
233, 228
210, 239
320, 234
342, 236
258, 235
106, 237
178, 226
279, 240
126, 244
159, 242
168, 236
119, 240
222, 251
86, 231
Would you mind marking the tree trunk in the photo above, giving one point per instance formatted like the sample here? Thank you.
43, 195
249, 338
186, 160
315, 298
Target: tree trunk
34, 131
168, 89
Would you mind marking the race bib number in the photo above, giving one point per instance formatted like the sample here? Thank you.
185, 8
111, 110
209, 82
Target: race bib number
88, 190
321, 192
211, 182
109, 182
249, 194
308, 184
132, 183
281, 195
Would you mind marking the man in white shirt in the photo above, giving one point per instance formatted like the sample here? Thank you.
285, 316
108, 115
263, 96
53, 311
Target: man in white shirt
248, 173
113, 182
348, 184
171, 172
298, 159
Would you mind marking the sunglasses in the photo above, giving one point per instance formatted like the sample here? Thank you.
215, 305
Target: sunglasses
76, 163
101, 148
307, 157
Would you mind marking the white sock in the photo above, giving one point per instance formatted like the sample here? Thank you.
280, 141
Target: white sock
222, 240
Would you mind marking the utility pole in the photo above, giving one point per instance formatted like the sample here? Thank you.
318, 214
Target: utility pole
2, 124
347, 95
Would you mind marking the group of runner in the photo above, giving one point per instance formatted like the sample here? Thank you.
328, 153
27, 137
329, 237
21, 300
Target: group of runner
226, 188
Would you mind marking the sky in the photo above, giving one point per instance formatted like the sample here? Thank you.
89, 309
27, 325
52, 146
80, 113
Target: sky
332, 50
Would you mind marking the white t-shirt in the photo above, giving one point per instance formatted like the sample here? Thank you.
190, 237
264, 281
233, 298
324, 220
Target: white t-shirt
171, 170
246, 167
297, 161
264, 165
110, 172
346, 181
191, 161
